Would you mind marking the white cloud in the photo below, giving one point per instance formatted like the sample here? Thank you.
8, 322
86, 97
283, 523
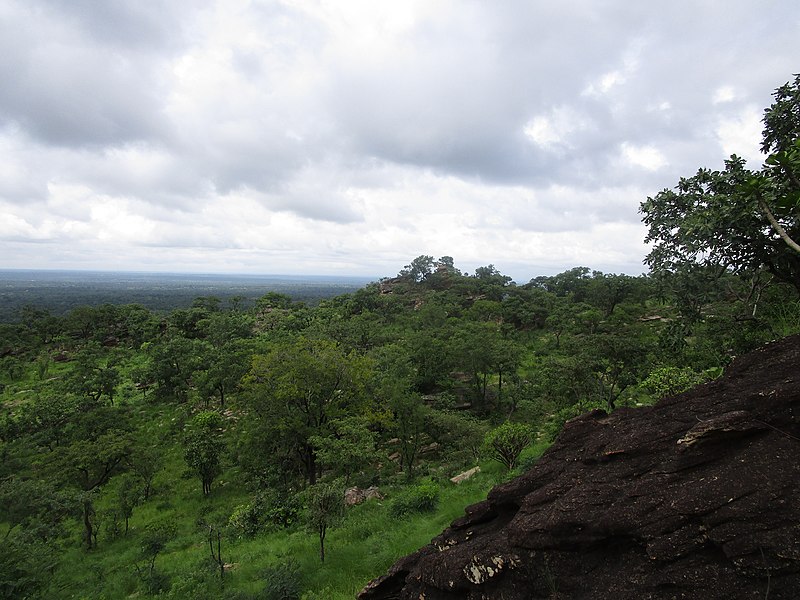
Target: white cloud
646, 157
740, 133
350, 136
724, 94
553, 131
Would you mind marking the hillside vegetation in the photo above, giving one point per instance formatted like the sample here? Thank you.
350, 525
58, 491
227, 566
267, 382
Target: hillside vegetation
186, 455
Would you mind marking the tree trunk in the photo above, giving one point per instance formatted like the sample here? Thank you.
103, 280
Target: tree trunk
500, 386
88, 510
311, 465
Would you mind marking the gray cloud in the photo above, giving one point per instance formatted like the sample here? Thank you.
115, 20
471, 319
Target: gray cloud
370, 129
151, 27
61, 88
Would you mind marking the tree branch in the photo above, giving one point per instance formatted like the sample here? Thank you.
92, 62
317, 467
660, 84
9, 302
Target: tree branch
777, 226
792, 177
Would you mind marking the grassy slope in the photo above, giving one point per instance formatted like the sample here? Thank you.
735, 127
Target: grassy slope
361, 548
368, 541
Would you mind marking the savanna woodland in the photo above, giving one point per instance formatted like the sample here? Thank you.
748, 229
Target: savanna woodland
205, 452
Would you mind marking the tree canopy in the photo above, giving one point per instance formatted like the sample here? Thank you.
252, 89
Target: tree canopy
734, 219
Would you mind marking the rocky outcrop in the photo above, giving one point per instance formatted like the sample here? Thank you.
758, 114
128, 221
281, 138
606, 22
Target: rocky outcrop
696, 497
356, 495
466, 475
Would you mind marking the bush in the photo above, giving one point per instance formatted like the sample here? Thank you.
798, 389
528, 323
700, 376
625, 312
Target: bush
668, 381
419, 498
268, 509
246, 520
284, 582
505, 443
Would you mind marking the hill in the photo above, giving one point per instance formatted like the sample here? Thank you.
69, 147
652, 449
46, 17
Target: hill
693, 497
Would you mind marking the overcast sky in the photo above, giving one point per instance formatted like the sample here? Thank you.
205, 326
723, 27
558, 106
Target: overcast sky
346, 137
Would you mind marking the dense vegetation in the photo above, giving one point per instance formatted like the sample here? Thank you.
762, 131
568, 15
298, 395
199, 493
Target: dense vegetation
203, 453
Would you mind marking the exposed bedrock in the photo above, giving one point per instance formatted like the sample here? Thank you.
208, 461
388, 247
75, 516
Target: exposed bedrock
696, 497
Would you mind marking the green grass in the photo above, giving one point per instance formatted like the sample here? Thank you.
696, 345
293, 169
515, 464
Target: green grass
363, 547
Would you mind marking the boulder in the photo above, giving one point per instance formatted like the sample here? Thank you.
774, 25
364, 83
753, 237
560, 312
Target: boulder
465, 475
695, 497
356, 495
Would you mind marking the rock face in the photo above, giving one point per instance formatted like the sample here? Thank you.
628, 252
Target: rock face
696, 497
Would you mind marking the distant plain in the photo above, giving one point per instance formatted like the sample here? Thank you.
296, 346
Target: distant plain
61, 291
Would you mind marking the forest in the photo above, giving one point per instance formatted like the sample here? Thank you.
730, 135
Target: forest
204, 452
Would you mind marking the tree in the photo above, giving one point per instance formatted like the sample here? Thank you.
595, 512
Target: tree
607, 291
782, 118
38, 507
93, 375
481, 350
225, 365
348, 449
527, 308
127, 497
296, 390
156, 537
458, 433
173, 362
505, 443
618, 360
491, 283
47, 419
734, 219
145, 460
572, 282
472, 345
420, 268
325, 510
203, 447
88, 464
408, 425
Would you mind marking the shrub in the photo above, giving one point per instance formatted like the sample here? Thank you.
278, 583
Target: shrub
282, 510
245, 520
423, 497
268, 509
283, 582
668, 381
505, 443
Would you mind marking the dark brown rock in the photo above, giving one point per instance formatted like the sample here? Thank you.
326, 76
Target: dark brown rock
696, 497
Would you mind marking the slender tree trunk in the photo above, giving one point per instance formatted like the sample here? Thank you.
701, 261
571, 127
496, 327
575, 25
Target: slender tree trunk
500, 386
219, 554
88, 509
777, 226
311, 465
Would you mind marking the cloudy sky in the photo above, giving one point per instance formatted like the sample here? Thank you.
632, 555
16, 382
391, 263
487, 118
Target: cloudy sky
346, 137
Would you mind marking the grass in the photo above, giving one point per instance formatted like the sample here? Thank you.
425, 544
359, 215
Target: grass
363, 547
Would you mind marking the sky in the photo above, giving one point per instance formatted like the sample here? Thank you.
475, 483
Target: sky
346, 137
